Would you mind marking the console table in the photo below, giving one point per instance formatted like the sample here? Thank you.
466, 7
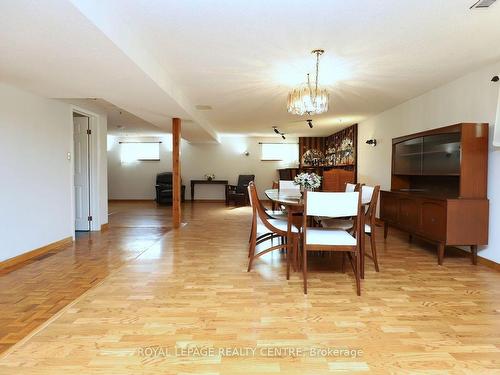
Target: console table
206, 182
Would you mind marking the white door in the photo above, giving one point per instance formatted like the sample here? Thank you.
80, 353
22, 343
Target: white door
82, 173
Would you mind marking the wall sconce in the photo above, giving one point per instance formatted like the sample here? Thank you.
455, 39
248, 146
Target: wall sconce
371, 142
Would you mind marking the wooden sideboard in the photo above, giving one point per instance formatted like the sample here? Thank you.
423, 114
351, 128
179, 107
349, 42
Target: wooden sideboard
334, 179
439, 187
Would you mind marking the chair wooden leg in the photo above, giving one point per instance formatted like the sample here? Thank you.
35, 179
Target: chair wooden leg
374, 251
251, 251
297, 253
251, 244
288, 260
304, 269
251, 231
358, 273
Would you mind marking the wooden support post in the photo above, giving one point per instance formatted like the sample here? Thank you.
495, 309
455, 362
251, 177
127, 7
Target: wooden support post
176, 172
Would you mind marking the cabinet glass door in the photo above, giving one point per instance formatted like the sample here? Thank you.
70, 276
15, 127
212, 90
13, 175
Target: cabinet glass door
408, 157
441, 154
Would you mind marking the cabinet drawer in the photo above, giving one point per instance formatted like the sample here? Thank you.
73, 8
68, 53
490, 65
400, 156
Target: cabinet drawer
389, 207
433, 219
408, 213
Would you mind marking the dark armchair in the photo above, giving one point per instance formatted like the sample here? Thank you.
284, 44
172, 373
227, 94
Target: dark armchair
239, 193
164, 188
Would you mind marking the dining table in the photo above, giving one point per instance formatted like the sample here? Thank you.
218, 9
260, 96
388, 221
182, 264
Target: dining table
294, 206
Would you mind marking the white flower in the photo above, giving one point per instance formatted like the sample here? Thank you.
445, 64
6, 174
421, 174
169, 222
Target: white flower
308, 180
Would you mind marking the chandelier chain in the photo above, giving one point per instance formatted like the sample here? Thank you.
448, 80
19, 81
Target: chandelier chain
317, 74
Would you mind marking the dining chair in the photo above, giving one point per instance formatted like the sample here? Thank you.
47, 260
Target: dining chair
288, 187
369, 199
349, 188
327, 239
275, 186
265, 228
274, 212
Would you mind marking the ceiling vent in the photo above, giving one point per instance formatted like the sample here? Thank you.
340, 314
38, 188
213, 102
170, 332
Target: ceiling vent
203, 107
482, 4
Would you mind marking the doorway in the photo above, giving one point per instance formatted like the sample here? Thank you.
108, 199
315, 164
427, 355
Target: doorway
82, 172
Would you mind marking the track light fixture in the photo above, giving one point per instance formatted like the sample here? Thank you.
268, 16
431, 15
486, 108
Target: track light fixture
371, 142
495, 79
276, 130
310, 123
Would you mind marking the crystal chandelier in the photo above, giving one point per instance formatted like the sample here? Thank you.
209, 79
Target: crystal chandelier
307, 99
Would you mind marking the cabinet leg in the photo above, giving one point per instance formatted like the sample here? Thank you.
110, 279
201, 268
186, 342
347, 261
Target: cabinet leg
440, 253
473, 250
386, 229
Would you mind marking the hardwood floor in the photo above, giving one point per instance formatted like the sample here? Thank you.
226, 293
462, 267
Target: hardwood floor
190, 289
32, 292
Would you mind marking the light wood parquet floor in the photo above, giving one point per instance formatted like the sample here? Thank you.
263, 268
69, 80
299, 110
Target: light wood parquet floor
32, 293
191, 290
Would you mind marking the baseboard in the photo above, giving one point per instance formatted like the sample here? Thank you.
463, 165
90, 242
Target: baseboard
131, 200
208, 200
480, 260
35, 253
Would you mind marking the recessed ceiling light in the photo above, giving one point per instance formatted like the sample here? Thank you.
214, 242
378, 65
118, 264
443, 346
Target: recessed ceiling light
203, 107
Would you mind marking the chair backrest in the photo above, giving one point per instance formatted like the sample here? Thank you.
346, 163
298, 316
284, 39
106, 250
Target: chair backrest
164, 178
370, 194
366, 194
258, 209
245, 179
331, 204
349, 188
288, 187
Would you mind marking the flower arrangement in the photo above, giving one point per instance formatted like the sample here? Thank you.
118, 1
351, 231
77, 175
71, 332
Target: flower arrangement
209, 176
308, 181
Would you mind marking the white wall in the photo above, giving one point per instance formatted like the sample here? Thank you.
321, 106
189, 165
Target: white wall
225, 160
136, 180
35, 192
36, 188
472, 98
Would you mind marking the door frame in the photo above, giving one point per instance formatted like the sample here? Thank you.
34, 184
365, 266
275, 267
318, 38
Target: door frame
95, 180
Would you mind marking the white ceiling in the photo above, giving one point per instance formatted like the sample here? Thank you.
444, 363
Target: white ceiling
160, 58
121, 122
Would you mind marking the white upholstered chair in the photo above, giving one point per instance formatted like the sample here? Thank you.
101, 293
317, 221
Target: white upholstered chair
369, 198
288, 187
349, 188
326, 239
